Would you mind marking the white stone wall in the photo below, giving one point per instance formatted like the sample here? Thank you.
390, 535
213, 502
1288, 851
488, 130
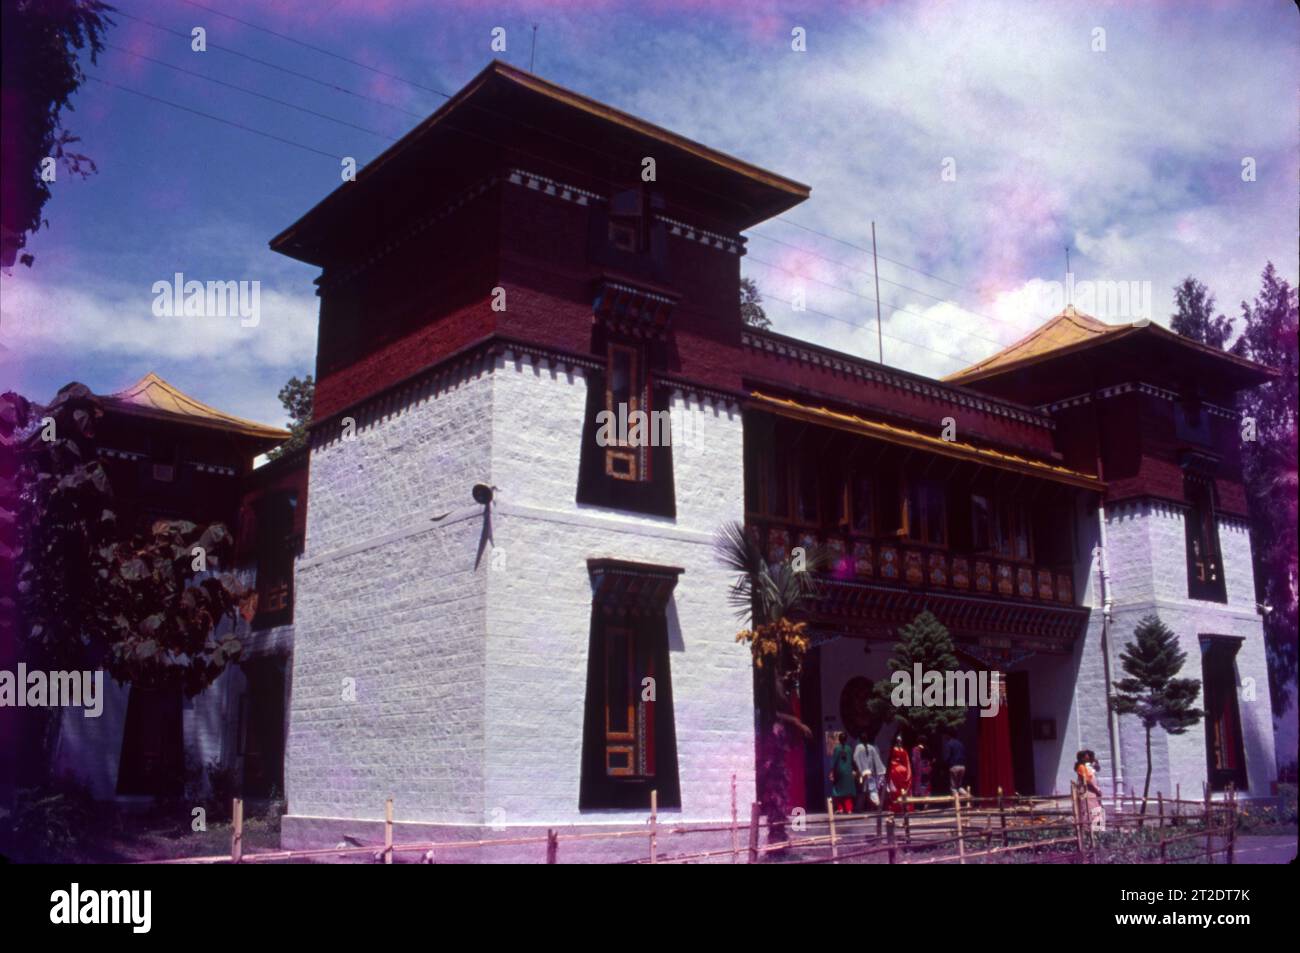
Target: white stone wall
471, 680
390, 609
539, 602
1146, 549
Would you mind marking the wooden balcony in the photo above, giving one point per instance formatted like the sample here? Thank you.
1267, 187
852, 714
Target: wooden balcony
917, 566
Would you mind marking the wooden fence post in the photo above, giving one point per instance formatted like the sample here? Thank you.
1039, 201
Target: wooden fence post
907, 822
237, 830
735, 824
654, 826
1002, 811
1232, 827
1178, 801
830, 817
1076, 810
754, 810
552, 845
1160, 804
1209, 825
889, 833
388, 831
961, 840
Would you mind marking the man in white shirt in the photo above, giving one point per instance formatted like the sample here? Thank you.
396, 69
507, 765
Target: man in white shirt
870, 770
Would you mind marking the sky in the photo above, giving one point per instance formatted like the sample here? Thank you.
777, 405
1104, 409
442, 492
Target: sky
1155, 140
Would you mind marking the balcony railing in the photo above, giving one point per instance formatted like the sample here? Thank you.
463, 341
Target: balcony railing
903, 562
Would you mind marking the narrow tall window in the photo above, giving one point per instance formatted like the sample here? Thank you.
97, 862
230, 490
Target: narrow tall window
859, 502
1225, 754
1204, 563
629, 703
926, 513
629, 741
622, 398
1001, 527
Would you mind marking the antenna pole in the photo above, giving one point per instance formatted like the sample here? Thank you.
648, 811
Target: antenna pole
1069, 284
875, 268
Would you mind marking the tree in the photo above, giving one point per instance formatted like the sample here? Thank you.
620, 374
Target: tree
1151, 691
1195, 317
145, 606
766, 595
1269, 464
40, 70
751, 311
925, 642
296, 396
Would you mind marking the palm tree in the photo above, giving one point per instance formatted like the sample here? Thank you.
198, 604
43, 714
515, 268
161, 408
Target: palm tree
765, 596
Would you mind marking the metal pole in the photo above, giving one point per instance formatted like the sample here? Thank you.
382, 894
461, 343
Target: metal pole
875, 268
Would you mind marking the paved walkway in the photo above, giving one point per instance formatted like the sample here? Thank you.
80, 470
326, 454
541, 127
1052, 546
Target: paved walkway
1265, 848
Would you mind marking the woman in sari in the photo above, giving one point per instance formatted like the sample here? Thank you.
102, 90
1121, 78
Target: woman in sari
1089, 791
844, 785
900, 775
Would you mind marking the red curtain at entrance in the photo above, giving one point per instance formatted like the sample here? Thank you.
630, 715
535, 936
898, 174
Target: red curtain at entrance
794, 759
995, 751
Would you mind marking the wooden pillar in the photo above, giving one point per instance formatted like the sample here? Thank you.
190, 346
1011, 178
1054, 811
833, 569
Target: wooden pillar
1002, 812
961, 840
552, 845
1209, 826
388, 831
1076, 809
735, 824
889, 825
654, 826
754, 809
830, 817
1232, 828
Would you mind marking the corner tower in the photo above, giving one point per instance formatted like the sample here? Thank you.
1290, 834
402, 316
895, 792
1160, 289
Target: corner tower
522, 261
1153, 413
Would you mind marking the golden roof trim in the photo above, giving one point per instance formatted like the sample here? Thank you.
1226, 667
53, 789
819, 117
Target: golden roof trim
913, 438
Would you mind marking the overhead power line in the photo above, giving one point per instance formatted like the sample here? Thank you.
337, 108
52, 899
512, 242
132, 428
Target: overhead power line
220, 119
250, 92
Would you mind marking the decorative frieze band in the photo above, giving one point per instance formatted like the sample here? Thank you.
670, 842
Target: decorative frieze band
548, 186
198, 465
731, 244
1140, 387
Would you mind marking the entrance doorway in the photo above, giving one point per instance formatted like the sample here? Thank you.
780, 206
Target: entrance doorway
1225, 755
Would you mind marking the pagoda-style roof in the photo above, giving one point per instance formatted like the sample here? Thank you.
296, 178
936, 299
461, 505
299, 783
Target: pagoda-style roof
508, 114
1069, 329
1062, 352
153, 397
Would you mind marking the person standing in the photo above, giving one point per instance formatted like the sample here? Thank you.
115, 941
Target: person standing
871, 771
1098, 815
843, 785
900, 774
1089, 790
920, 770
954, 756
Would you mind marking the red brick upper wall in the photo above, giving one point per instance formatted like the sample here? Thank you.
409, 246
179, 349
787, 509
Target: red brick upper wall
538, 253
